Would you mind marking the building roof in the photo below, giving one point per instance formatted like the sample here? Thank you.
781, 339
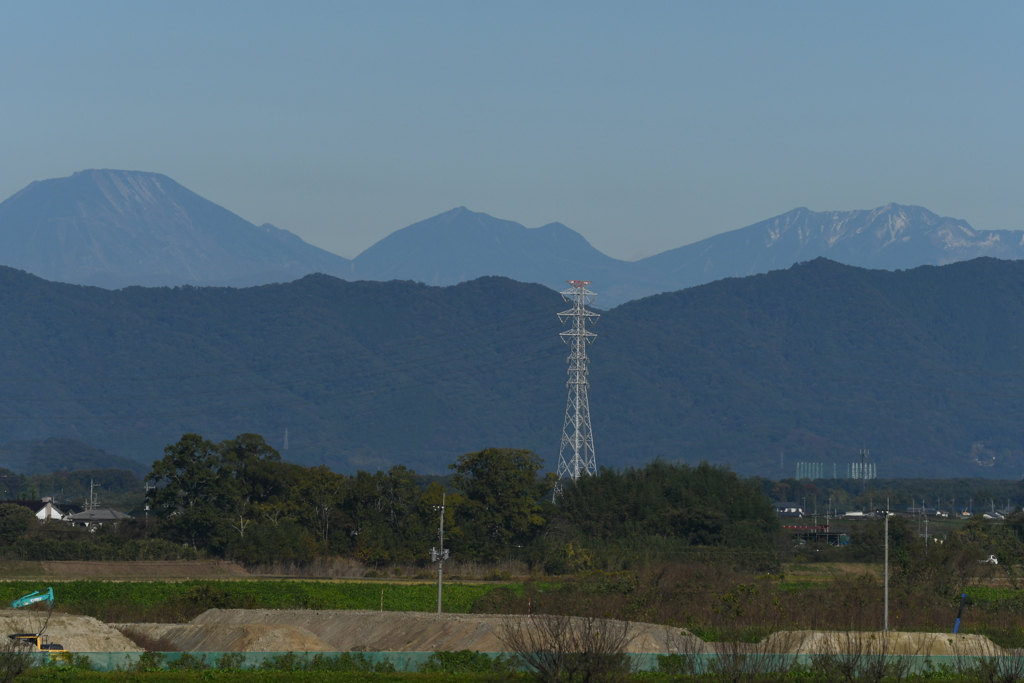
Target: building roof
98, 515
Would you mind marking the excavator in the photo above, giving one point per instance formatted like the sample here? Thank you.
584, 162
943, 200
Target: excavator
36, 640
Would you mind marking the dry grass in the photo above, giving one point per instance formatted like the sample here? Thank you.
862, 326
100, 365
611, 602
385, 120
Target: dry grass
320, 568
722, 604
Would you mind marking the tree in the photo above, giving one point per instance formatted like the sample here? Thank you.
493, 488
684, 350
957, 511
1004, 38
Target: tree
15, 522
502, 507
322, 492
187, 472
246, 476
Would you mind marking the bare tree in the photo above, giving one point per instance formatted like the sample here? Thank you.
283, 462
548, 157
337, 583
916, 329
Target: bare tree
558, 648
14, 659
770, 660
868, 656
979, 659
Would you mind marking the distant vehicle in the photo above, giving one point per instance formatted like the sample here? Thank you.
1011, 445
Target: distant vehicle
38, 641
991, 559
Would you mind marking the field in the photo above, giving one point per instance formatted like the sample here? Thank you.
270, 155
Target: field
180, 601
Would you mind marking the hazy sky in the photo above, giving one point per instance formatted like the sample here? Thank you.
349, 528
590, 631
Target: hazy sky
644, 126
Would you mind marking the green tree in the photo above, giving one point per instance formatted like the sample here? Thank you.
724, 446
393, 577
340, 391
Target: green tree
186, 477
15, 523
246, 477
323, 491
502, 507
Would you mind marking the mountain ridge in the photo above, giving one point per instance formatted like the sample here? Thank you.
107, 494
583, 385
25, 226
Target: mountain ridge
923, 366
120, 228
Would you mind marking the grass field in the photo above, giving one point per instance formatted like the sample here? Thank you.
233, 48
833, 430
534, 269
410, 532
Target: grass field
170, 602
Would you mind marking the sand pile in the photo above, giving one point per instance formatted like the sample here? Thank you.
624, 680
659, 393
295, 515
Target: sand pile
356, 630
212, 638
879, 642
75, 633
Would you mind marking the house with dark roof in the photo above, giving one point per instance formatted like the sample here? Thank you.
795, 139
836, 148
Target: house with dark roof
94, 518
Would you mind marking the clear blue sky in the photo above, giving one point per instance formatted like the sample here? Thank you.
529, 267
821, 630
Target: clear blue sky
644, 126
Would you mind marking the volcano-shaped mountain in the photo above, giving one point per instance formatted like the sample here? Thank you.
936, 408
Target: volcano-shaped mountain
119, 228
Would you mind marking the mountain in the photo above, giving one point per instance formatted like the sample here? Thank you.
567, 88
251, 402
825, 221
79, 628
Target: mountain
54, 455
461, 245
892, 237
925, 367
118, 228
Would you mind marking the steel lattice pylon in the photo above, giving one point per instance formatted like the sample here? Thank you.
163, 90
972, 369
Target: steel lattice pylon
577, 437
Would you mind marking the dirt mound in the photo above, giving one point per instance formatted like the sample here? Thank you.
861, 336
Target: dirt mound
214, 638
879, 642
288, 639
75, 633
356, 630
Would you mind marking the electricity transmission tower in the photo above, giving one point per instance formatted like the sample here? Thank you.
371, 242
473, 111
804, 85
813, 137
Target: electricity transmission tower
576, 454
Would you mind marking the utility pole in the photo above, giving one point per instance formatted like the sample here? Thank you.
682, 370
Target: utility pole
886, 628
577, 436
439, 556
148, 487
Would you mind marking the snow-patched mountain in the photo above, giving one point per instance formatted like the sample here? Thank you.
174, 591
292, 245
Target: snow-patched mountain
461, 245
118, 228
892, 237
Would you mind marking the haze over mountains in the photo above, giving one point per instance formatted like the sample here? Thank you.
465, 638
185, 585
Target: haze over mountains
120, 228
925, 367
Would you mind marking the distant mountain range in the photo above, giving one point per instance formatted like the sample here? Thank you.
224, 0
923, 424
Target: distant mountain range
925, 367
54, 455
119, 228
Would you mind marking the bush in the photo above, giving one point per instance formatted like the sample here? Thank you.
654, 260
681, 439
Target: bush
230, 660
13, 661
465, 661
346, 662
187, 662
149, 661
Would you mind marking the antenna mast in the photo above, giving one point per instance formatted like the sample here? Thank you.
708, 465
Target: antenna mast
576, 433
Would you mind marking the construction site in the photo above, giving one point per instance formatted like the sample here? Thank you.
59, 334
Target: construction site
406, 639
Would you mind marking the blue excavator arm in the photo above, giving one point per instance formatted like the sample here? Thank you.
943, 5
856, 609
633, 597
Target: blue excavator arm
32, 598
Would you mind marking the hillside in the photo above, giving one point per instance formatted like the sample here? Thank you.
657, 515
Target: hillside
55, 455
924, 367
119, 228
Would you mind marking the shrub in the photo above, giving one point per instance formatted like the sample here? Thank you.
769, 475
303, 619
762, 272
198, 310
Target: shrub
465, 661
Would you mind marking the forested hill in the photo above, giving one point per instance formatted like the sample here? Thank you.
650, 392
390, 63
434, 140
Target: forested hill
924, 367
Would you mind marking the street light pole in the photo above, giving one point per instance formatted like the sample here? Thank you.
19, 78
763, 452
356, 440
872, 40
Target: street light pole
886, 628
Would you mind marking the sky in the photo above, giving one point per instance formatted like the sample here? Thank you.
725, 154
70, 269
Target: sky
643, 126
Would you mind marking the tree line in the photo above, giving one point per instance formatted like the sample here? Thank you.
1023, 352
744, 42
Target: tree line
237, 499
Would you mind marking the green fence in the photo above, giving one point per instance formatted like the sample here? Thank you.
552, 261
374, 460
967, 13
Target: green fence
414, 661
